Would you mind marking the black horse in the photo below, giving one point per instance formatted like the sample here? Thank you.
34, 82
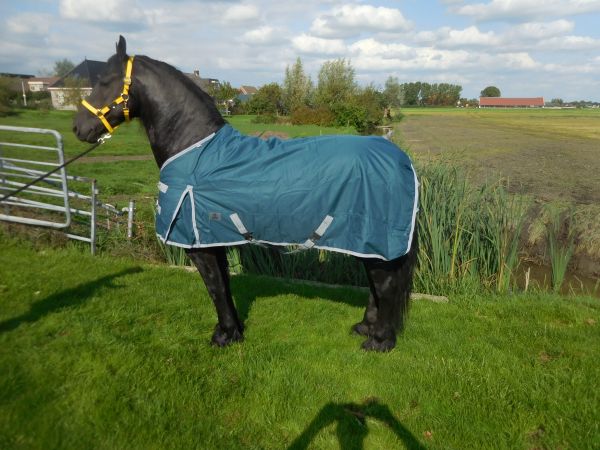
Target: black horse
176, 113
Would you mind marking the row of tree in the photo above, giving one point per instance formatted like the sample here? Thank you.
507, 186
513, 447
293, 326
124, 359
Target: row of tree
337, 99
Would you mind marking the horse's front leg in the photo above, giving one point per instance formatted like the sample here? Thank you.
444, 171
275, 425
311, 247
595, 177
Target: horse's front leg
212, 264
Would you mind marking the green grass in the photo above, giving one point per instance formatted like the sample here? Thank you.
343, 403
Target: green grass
107, 353
245, 125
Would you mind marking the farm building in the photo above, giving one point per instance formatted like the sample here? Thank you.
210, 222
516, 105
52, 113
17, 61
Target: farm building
504, 102
40, 84
77, 83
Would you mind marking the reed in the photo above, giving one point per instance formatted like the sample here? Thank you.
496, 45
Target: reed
469, 237
561, 243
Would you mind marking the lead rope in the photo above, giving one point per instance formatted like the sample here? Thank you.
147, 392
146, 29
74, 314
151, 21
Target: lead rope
100, 141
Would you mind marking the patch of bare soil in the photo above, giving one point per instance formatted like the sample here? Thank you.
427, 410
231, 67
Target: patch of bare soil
549, 166
267, 134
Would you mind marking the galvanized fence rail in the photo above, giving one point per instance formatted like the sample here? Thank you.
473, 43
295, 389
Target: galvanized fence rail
50, 202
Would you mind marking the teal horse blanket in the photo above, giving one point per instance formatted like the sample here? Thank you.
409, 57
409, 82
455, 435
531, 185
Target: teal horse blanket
351, 194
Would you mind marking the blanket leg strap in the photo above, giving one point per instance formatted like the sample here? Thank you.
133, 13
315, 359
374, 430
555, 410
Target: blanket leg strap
312, 240
235, 218
308, 244
240, 226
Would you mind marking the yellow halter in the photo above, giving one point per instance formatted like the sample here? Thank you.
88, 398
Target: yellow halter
123, 98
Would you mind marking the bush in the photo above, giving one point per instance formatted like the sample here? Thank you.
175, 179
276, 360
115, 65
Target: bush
39, 100
264, 118
305, 115
362, 116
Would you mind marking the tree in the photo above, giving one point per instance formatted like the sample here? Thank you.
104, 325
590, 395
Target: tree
411, 93
268, 100
297, 87
491, 91
336, 84
393, 93
74, 91
63, 67
223, 94
6, 94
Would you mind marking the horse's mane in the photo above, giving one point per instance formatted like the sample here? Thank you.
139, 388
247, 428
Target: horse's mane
179, 76
182, 112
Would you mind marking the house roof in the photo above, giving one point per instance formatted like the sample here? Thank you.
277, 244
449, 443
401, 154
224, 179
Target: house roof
248, 90
203, 83
89, 71
46, 80
505, 101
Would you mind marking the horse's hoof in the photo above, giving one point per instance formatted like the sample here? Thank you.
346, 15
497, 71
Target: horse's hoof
360, 328
375, 345
223, 338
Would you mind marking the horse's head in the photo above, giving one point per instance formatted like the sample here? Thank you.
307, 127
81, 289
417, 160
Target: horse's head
109, 103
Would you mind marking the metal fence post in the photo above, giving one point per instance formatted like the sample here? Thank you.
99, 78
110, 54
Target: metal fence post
130, 213
93, 218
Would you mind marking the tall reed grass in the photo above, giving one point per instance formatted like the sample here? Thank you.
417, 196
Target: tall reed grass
469, 237
468, 240
561, 244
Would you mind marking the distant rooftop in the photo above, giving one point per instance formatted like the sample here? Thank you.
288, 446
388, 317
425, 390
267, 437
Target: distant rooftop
89, 71
505, 101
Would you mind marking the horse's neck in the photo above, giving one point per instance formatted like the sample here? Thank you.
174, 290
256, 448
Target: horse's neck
176, 114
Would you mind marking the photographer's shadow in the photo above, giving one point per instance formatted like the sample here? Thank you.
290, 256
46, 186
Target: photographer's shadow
352, 425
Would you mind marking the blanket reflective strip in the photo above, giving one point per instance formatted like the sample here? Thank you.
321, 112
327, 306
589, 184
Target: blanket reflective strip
309, 243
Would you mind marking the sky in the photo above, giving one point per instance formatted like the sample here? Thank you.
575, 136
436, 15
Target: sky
527, 48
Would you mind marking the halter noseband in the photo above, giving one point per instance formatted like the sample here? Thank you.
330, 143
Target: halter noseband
123, 98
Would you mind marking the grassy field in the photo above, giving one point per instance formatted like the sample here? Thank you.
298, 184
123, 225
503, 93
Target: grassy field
551, 154
111, 352
106, 353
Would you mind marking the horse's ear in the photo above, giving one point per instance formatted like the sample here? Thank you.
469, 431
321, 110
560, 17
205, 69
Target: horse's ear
122, 48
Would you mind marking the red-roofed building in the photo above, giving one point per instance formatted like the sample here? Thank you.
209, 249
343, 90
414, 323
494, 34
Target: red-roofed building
501, 102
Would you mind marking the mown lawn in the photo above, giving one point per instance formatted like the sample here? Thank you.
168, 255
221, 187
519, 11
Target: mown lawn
111, 354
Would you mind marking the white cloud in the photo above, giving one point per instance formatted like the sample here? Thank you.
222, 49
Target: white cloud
541, 30
101, 11
519, 10
318, 46
352, 20
264, 35
241, 13
447, 37
382, 50
29, 23
569, 43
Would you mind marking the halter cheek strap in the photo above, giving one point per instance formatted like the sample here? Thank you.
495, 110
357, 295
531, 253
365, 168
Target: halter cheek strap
123, 98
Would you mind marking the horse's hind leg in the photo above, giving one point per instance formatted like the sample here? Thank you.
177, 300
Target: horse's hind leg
212, 264
391, 283
365, 326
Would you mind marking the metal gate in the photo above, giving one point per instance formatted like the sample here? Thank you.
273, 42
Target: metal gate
30, 153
